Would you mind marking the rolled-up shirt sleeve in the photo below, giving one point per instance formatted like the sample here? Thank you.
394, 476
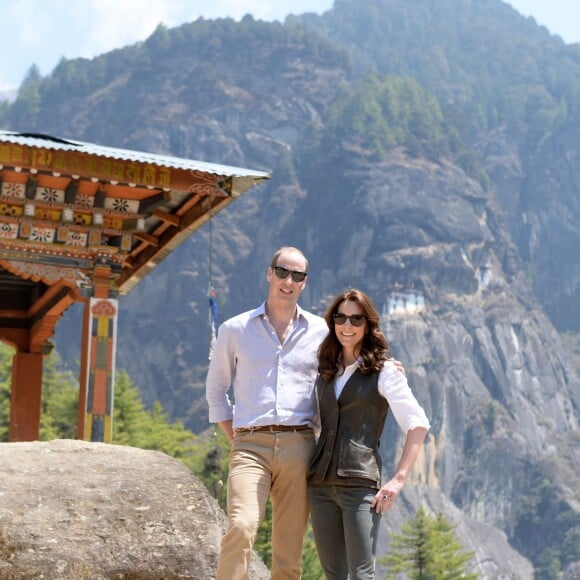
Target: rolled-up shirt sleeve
406, 409
219, 378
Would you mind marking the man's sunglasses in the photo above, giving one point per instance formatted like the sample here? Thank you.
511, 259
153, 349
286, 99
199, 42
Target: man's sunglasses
282, 273
355, 319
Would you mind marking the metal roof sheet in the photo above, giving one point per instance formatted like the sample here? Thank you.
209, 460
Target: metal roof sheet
58, 144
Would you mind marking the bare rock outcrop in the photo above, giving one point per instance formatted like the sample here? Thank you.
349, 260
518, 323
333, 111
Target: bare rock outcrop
79, 510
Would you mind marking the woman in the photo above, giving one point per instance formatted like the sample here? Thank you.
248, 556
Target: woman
356, 386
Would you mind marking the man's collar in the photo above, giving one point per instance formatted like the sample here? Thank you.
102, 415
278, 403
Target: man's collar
261, 311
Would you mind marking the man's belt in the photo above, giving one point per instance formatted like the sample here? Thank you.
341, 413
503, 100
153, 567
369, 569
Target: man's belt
272, 428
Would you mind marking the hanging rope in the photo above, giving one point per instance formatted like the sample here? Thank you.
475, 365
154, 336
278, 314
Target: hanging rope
213, 309
214, 456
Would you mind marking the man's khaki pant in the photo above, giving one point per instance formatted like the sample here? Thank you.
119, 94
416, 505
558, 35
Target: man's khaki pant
267, 464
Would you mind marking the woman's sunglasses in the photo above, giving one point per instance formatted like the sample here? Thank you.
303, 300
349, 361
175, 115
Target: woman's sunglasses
355, 319
282, 273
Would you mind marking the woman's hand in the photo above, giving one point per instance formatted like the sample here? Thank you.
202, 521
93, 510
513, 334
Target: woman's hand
386, 496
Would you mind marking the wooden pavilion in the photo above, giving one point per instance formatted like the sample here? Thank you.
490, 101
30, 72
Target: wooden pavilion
84, 223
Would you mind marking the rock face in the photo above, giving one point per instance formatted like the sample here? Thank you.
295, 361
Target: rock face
72, 510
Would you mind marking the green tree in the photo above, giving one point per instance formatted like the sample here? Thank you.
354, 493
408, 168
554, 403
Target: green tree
544, 507
377, 114
134, 425
25, 109
129, 415
427, 550
548, 564
59, 406
210, 463
6, 354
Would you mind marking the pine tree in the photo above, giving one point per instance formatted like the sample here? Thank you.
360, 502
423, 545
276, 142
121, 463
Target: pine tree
130, 416
27, 105
6, 354
427, 550
59, 407
134, 425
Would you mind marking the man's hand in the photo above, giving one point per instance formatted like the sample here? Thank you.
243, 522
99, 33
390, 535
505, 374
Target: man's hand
399, 365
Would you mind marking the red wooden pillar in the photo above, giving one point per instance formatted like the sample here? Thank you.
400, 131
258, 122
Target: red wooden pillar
25, 397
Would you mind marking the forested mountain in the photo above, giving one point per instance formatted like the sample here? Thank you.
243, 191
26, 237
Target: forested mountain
426, 152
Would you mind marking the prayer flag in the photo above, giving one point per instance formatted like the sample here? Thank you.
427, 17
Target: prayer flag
213, 313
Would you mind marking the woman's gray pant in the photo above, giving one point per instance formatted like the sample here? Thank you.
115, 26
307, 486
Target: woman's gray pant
345, 530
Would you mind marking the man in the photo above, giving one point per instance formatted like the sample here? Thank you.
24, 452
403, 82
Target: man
268, 356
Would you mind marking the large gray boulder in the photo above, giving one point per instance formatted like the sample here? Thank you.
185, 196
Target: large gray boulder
79, 510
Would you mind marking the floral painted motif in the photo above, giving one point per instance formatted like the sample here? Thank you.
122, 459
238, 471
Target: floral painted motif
8, 231
13, 190
50, 195
77, 239
42, 235
85, 201
121, 205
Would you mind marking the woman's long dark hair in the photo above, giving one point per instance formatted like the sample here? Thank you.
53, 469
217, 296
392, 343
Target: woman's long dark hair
374, 349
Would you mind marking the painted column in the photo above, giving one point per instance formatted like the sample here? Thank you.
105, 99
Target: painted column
95, 421
25, 397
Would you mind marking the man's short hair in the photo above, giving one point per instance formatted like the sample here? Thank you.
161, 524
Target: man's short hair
277, 253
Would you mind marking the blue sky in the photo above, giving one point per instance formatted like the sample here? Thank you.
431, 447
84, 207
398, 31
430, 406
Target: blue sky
41, 32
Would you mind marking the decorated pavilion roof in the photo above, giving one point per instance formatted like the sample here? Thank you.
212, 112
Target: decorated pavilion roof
68, 207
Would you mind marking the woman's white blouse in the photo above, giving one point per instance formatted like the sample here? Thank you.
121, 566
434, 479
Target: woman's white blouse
394, 387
